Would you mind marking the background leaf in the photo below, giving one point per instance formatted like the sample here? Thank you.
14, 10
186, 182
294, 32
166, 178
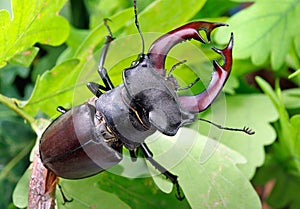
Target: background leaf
214, 183
65, 75
134, 191
69, 77
150, 18
265, 31
86, 194
32, 22
231, 113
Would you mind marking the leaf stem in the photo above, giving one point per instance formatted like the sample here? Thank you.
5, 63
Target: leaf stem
13, 105
9, 166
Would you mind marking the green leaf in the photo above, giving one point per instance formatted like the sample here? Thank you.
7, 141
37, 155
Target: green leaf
291, 97
215, 8
290, 197
19, 198
139, 192
208, 181
32, 22
70, 79
71, 75
151, 18
25, 58
254, 111
59, 92
288, 133
264, 31
290, 184
86, 194
294, 74
100, 9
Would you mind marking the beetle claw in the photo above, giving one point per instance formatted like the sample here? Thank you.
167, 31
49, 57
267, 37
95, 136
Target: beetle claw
226, 54
201, 101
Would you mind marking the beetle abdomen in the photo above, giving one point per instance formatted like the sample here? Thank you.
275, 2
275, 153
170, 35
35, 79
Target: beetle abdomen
75, 147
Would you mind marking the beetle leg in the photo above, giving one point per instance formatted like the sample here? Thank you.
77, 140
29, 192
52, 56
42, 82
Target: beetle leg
173, 178
101, 70
95, 88
133, 155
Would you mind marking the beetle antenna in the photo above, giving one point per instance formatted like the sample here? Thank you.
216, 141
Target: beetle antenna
138, 26
246, 130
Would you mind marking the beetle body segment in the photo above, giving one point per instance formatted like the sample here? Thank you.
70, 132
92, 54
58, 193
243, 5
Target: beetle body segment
127, 123
68, 143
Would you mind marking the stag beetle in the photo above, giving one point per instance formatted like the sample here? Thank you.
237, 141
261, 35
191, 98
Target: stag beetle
89, 138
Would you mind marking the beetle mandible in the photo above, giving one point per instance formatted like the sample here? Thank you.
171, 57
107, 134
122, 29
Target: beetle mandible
89, 138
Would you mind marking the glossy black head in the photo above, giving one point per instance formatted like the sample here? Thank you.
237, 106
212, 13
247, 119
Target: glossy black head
156, 94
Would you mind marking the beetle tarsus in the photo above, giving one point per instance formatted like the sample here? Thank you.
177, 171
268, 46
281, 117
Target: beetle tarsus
105, 20
65, 199
178, 194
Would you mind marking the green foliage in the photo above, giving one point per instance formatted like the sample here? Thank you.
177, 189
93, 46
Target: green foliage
29, 25
259, 114
286, 152
214, 166
16, 141
208, 171
266, 32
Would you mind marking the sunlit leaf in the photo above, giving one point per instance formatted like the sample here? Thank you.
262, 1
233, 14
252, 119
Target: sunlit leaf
32, 22
86, 194
265, 31
139, 192
254, 111
71, 78
216, 182
291, 97
151, 18
65, 77
19, 197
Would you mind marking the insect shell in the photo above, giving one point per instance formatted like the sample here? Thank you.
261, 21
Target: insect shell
88, 139
147, 101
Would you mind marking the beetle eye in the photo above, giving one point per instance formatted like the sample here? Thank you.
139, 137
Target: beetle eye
134, 63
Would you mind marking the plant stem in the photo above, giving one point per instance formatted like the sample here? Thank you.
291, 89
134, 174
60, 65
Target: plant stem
9, 166
12, 104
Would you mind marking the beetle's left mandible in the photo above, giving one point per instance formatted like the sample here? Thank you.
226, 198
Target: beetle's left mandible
160, 48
